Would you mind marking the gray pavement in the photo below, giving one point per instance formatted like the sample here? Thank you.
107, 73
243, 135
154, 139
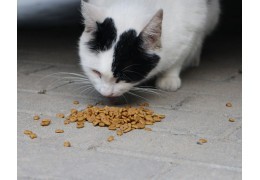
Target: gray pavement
169, 151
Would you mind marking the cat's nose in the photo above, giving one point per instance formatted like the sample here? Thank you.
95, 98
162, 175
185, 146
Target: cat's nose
106, 93
110, 96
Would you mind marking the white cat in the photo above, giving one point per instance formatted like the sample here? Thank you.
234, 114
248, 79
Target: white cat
126, 42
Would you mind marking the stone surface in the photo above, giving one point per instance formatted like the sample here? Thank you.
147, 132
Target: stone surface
169, 151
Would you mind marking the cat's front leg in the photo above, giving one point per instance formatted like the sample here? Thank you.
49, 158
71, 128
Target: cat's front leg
170, 80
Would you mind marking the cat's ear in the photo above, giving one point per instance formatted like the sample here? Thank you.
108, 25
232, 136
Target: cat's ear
91, 14
151, 34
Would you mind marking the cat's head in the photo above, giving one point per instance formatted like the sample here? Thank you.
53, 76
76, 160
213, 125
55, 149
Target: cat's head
113, 62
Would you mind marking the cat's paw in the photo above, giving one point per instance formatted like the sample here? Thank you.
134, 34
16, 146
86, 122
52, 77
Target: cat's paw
168, 83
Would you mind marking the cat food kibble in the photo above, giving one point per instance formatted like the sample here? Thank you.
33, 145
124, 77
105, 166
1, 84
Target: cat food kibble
202, 141
76, 102
27, 132
119, 119
231, 120
59, 131
60, 115
30, 134
229, 104
45, 122
67, 144
148, 129
36, 117
110, 138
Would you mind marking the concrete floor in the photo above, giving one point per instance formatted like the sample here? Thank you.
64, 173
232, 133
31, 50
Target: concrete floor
169, 151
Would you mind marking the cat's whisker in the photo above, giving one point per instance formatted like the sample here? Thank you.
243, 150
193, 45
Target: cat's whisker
148, 92
82, 87
87, 89
125, 99
131, 93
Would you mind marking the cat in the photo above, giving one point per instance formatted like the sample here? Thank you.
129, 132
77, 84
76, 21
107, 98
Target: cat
127, 42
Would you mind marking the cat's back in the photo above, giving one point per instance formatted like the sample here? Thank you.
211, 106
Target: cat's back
136, 13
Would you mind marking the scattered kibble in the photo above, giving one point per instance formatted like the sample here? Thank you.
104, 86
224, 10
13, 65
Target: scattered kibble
202, 141
148, 129
27, 132
59, 131
229, 104
119, 132
144, 104
110, 138
60, 115
67, 121
231, 120
36, 117
76, 102
67, 144
30, 134
80, 125
45, 122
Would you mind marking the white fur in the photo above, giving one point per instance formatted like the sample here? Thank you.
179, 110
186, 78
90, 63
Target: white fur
186, 23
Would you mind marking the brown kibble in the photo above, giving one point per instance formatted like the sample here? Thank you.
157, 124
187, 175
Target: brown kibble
45, 122
32, 135
76, 102
67, 144
119, 133
36, 117
231, 120
144, 104
202, 141
148, 129
112, 127
59, 131
73, 111
66, 121
80, 125
229, 104
110, 138
60, 115
122, 119
27, 132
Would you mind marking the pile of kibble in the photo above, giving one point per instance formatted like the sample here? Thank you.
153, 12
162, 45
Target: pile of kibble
119, 119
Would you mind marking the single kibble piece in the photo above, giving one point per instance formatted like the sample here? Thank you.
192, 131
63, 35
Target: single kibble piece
119, 133
148, 129
45, 122
67, 144
110, 138
229, 104
80, 125
32, 135
59, 131
36, 117
27, 132
66, 121
73, 111
231, 120
60, 115
76, 102
202, 141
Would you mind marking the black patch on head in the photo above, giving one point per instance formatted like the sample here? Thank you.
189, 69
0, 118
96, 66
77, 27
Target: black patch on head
104, 36
131, 62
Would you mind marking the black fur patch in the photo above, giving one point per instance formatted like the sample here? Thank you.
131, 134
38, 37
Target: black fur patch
104, 36
131, 62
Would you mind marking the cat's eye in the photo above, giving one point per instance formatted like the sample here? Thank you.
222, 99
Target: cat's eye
97, 73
